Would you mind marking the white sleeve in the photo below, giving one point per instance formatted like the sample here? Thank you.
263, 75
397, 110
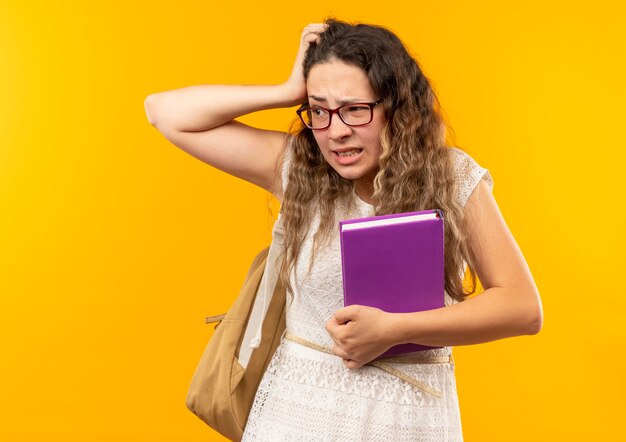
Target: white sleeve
468, 174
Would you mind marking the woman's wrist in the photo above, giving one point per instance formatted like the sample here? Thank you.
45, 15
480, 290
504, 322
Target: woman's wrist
393, 329
291, 95
404, 328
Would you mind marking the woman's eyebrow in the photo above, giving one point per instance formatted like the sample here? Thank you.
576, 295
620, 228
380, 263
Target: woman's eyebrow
320, 99
341, 102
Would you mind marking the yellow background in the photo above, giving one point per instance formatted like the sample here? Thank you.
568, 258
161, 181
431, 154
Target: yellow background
114, 244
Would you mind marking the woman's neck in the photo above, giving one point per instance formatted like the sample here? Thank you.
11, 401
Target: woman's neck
364, 191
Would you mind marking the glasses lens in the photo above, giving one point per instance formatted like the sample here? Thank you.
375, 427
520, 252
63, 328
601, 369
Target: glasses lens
356, 114
315, 118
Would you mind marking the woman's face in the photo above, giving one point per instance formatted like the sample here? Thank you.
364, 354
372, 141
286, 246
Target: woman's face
353, 151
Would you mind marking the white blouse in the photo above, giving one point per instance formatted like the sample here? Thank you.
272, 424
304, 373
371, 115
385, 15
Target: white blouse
308, 395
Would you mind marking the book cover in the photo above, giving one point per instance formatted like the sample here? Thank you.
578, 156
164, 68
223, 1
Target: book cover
394, 263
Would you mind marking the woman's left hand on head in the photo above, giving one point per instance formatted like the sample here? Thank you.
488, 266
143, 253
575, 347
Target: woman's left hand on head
360, 334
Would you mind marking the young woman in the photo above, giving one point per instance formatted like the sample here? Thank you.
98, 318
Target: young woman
371, 142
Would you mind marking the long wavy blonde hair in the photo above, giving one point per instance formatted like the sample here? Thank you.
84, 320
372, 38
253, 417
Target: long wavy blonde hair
416, 167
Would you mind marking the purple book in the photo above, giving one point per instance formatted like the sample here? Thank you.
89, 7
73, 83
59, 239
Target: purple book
394, 263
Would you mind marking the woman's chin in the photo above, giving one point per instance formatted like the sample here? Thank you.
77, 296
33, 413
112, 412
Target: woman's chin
349, 175
354, 174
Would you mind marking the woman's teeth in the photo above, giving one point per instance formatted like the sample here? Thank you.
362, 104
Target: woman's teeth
349, 153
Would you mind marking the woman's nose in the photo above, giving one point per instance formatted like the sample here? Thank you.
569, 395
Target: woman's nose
338, 129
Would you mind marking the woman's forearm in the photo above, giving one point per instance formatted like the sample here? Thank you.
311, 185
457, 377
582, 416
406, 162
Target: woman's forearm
510, 306
494, 314
204, 107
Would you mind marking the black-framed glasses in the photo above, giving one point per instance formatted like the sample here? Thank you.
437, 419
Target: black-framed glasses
353, 114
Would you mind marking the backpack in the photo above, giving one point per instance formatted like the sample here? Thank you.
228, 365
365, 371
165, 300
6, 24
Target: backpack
228, 375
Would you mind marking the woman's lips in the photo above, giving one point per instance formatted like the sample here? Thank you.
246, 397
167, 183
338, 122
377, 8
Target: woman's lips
347, 156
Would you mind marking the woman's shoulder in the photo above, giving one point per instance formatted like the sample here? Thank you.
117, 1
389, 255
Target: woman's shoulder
467, 174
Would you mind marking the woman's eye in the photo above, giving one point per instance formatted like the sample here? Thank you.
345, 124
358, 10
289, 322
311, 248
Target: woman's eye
357, 109
318, 112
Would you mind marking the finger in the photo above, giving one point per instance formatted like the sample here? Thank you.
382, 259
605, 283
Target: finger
338, 351
312, 32
344, 315
330, 328
352, 364
316, 26
312, 38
